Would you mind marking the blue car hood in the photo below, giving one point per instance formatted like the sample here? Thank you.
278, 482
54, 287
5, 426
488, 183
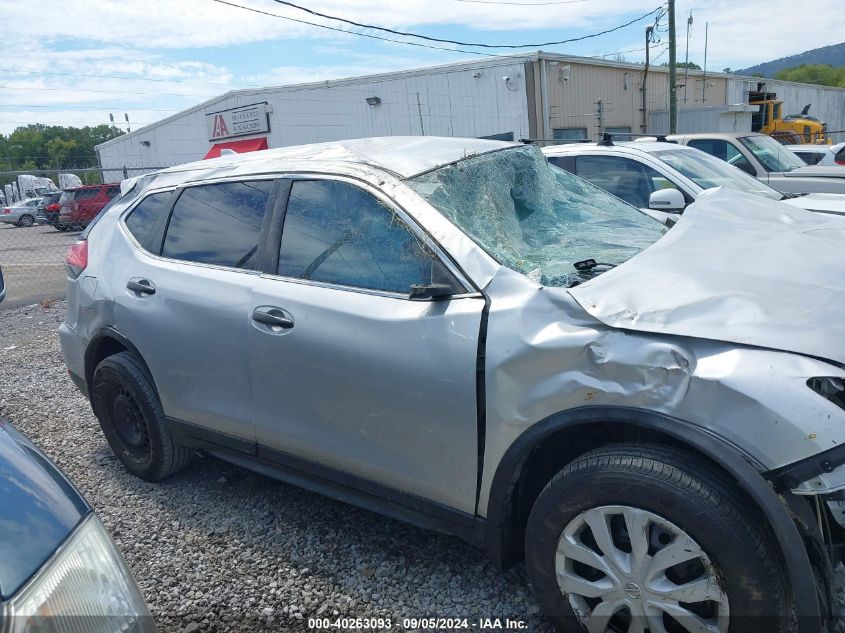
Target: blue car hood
39, 508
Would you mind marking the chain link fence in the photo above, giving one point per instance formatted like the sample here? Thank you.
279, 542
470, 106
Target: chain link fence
34, 239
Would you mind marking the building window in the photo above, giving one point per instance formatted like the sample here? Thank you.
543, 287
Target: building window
569, 133
618, 129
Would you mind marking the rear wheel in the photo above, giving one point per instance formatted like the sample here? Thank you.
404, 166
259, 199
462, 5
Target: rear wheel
26, 220
635, 538
62, 227
132, 419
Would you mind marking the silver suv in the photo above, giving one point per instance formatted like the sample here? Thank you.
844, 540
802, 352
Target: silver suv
455, 333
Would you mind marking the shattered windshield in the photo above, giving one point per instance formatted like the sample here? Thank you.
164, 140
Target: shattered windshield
708, 172
535, 218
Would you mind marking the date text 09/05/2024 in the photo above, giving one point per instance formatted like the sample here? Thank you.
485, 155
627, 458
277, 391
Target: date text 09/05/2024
456, 624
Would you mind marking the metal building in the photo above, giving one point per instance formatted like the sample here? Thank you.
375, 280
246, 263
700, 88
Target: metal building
533, 95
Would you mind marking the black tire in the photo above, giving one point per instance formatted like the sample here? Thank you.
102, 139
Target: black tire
26, 221
62, 227
130, 414
683, 489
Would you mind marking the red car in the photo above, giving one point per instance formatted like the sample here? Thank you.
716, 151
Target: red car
79, 206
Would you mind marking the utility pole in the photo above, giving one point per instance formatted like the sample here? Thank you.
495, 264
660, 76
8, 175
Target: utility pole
686, 72
673, 79
648, 33
704, 76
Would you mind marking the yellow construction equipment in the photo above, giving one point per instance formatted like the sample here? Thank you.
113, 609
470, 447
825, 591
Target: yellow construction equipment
789, 129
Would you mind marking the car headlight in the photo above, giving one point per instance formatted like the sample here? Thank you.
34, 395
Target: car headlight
85, 586
830, 388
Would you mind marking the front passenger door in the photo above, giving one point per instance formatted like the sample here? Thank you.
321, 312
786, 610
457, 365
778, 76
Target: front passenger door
361, 383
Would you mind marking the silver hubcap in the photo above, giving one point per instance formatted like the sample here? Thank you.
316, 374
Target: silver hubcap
628, 570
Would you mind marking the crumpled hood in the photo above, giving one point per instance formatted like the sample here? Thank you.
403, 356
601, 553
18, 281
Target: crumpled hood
735, 268
824, 202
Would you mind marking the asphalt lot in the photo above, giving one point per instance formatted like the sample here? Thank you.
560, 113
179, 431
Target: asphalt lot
219, 548
33, 263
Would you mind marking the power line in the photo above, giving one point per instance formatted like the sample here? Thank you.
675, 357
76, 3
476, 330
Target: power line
457, 42
333, 28
178, 81
522, 4
123, 92
104, 108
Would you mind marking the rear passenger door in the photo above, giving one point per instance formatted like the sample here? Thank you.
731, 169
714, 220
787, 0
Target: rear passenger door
359, 383
185, 300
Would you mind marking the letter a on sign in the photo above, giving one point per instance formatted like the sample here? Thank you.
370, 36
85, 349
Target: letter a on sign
220, 128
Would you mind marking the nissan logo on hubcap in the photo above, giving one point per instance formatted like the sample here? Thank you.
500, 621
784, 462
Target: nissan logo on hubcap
633, 590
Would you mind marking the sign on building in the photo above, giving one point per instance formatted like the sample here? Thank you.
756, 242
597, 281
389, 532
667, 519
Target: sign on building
251, 119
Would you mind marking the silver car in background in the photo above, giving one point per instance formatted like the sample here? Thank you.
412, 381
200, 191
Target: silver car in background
764, 158
821, 155
458, 334
21, 213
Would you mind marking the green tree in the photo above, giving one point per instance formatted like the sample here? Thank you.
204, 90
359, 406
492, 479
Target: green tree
58, 150
690, 65
39, 146
819, 74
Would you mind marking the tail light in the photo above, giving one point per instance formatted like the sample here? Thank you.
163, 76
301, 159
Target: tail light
77, 258
6, 211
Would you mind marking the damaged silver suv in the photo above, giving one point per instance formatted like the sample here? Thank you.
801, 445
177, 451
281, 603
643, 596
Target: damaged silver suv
455, 333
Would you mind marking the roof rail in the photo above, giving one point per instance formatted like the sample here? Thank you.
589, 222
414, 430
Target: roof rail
554, 140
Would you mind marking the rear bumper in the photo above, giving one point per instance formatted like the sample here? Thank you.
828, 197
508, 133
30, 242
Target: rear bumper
73, 350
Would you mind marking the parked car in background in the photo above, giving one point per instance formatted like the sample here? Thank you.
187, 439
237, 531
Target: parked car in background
822, 155
456, 333
764, 158
81, 205
666, 177
59, 568
48, 208
20, 213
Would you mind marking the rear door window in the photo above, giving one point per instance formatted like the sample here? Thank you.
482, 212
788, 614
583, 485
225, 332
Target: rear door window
219, 224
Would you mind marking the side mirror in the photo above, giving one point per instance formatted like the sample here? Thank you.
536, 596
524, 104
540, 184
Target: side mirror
431, 292
2, 287
667, 200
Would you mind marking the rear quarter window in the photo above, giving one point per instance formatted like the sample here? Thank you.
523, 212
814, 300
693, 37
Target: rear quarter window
146, 221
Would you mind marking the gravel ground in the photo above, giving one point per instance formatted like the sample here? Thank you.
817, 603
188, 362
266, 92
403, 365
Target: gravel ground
218, 548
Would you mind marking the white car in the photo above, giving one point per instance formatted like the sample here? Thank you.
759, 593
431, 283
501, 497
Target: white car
662, 178
21, 213
822, 155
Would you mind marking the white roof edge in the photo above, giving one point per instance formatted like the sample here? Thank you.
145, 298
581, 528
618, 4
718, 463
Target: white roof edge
440, 68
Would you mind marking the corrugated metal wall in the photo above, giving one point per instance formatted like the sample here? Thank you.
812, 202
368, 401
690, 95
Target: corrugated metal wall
472, 101
575, 88
715, 119
828, 103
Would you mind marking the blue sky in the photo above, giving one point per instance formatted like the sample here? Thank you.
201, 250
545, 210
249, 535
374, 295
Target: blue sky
154, 57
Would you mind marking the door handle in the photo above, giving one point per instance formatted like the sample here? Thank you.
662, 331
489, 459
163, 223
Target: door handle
272, 316
141, 286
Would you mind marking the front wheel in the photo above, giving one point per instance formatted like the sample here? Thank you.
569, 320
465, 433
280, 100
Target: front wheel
26, 221
130, 414
641, 537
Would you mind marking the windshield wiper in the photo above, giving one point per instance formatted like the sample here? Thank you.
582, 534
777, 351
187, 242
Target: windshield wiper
589, 264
